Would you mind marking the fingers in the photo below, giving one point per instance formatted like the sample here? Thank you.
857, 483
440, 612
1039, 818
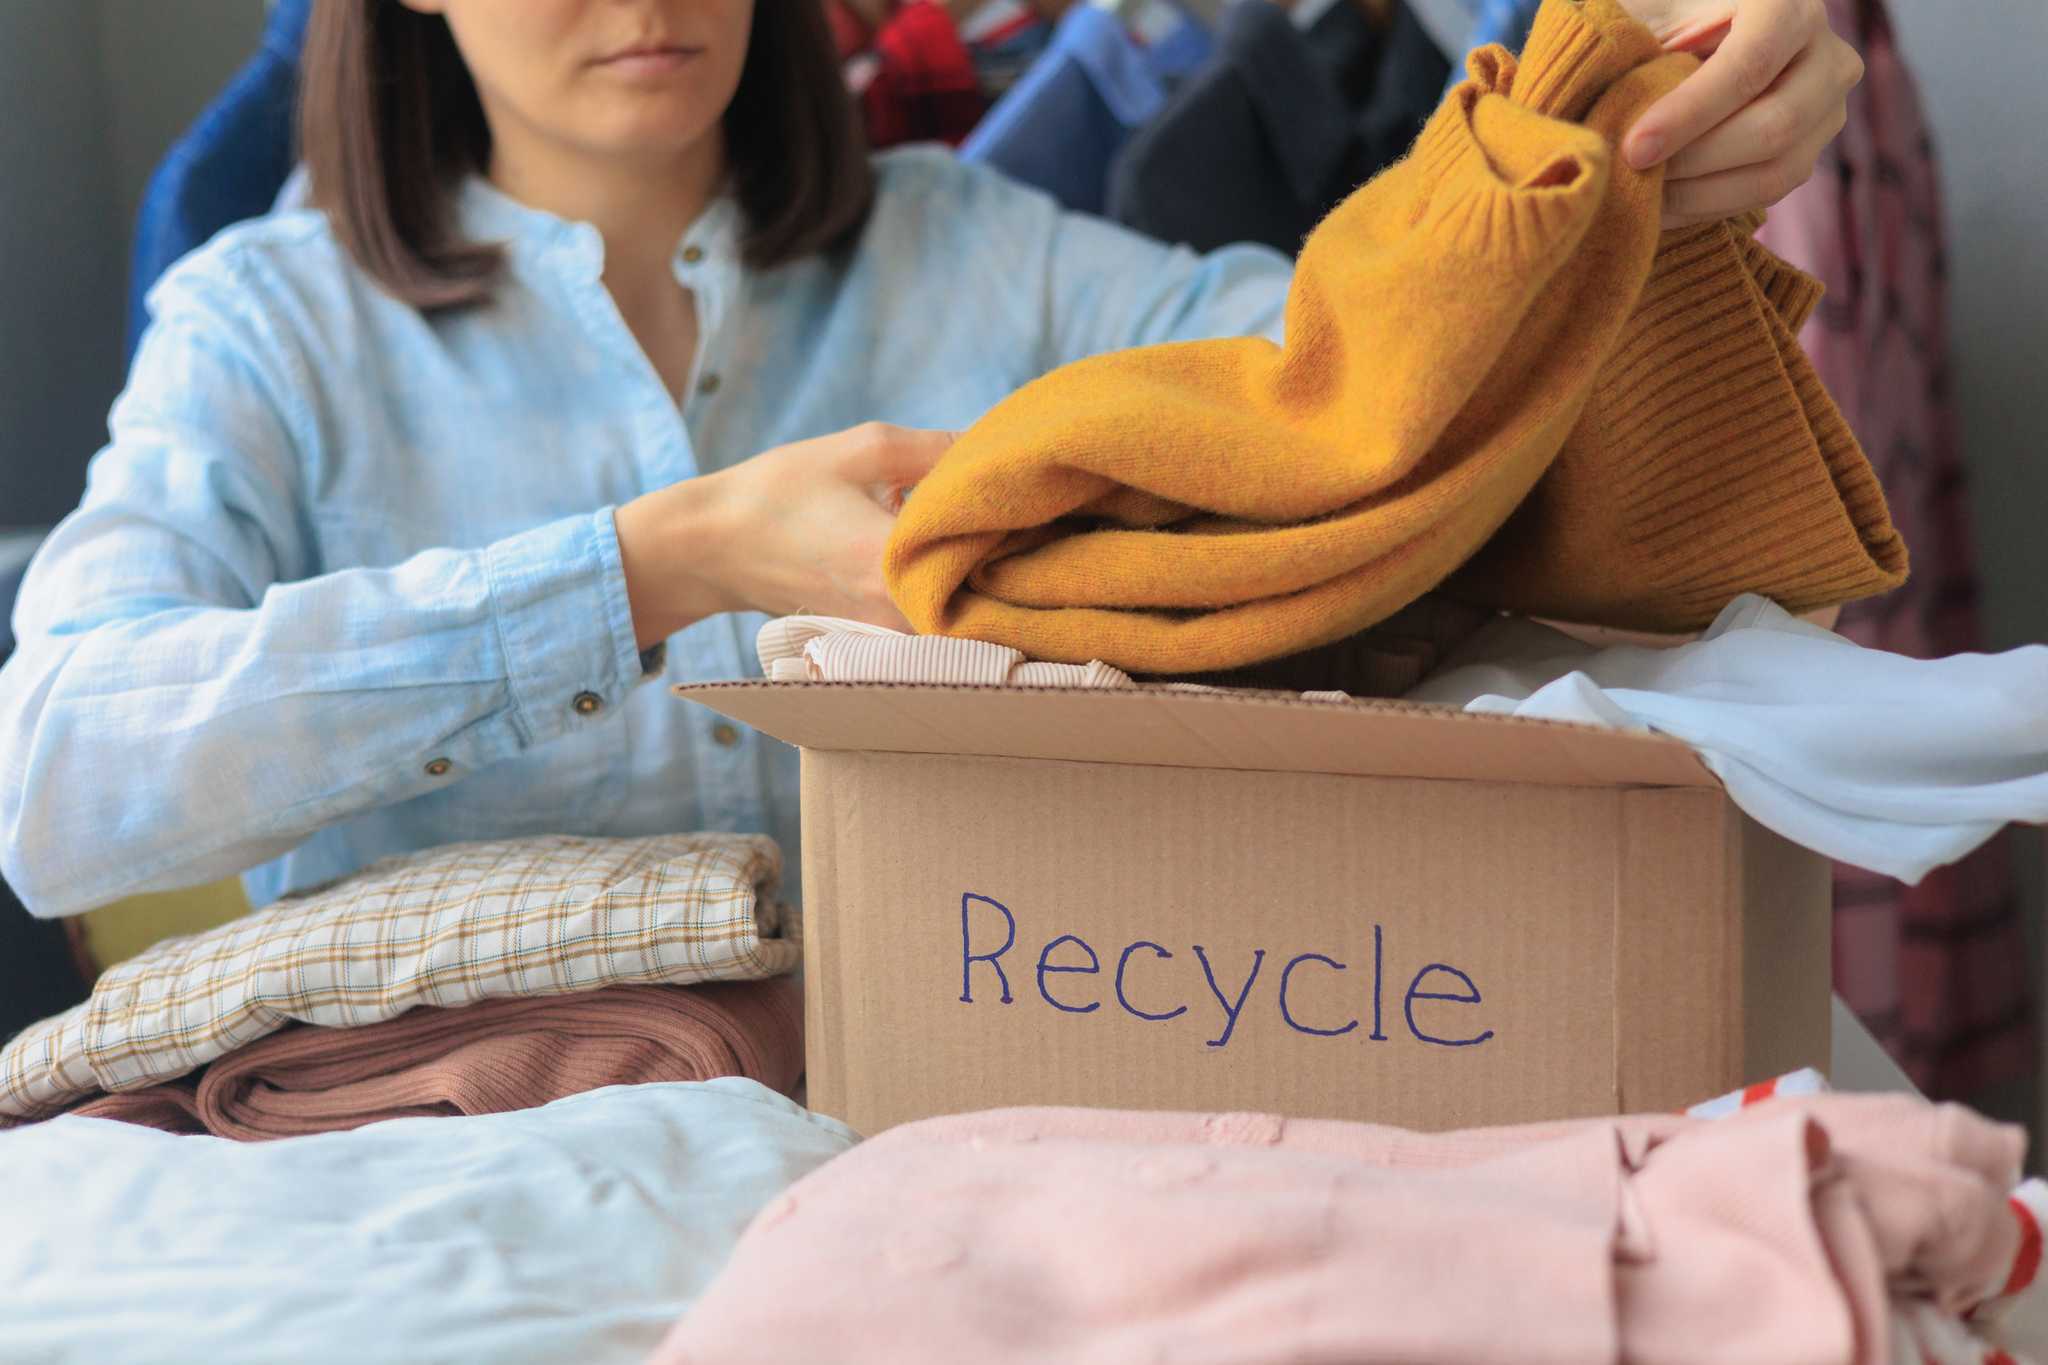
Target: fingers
1724, 194
860, 536
878, 454
1762, 41
1809, 95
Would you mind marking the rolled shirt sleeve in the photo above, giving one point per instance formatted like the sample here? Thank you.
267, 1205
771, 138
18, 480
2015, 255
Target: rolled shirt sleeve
190, 697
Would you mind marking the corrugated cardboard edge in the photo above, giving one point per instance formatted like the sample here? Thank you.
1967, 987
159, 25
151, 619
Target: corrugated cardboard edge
1246, 731
1676, 965
1787, 895
824, 993
1738, 931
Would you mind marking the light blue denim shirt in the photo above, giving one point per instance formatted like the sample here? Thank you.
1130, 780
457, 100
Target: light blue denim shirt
344, 571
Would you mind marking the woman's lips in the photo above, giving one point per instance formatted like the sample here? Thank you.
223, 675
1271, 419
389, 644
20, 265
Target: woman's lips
651, 61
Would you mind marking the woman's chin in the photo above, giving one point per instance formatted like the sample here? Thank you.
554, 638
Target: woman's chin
655, 133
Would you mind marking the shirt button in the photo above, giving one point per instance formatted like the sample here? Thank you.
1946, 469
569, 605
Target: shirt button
439, 767
726, 735
692, 254
709, 383
588, 703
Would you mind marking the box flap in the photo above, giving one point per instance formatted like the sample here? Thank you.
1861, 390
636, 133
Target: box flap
1245, 731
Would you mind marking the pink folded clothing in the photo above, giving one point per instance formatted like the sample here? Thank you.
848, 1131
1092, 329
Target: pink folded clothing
172, 1106
485, 1058
830, 649
1815, 1228
1385, 661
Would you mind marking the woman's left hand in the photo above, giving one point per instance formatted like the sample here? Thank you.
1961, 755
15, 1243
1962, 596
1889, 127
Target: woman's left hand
1748, 127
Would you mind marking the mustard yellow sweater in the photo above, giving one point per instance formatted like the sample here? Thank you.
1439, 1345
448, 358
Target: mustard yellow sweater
1493, 315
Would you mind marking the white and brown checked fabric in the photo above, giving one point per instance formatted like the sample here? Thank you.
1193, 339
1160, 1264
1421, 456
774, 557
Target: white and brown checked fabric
449, 926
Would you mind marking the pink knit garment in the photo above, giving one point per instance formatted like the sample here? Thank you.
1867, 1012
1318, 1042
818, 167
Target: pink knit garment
1783, 1232
486, 1058
1383, 662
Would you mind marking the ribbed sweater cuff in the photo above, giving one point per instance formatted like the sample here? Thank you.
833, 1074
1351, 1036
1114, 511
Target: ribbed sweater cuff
1788, 289
1576, 49
1508, 180
1734, 468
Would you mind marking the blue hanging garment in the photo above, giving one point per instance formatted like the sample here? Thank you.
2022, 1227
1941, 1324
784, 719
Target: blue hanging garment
1060, 126
228, 166
1506, 22
1181, 49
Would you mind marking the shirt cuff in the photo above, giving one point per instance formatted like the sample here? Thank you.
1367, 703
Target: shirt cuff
558, 595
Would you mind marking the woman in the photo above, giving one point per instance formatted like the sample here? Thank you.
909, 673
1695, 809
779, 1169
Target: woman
567, 375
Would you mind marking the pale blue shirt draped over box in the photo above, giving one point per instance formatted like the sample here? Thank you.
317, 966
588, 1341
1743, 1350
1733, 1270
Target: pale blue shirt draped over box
343, 571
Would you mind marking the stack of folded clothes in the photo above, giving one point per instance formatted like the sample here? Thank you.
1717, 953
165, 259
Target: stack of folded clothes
488, 1058
474, 979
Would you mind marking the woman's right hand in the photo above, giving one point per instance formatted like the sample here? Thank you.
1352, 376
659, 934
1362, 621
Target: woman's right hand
799, 528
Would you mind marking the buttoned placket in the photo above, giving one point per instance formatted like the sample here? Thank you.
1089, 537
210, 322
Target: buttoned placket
564, 260
726, 758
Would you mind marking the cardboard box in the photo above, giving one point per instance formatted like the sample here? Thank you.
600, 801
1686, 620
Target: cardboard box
1252, 901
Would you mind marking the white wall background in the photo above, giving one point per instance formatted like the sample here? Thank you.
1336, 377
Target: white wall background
1978, 63
59, 246
161, 61
92, 92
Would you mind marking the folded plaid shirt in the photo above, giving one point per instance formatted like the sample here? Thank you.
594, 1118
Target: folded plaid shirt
447, 927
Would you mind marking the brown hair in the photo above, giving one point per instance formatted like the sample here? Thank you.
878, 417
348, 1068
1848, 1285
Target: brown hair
390, 123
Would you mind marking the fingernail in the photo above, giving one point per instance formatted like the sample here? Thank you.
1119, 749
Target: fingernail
1645, 151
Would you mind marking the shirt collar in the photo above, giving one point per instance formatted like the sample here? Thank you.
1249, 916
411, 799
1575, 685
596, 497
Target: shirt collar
534, 236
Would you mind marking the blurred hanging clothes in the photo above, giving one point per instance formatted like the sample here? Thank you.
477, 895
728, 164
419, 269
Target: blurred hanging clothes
1174, 43
1938, 971
1410, 83
850, 32
917, 82
1267, 139
1506, 22
1449, 23
1005, 38
1059, 127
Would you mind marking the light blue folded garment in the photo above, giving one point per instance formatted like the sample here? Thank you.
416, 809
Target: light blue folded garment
1893, 764
576, 1232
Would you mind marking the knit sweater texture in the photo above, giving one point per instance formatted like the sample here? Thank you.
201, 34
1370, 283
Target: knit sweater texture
1494, 316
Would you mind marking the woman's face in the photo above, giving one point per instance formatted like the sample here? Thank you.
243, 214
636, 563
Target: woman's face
604, 77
